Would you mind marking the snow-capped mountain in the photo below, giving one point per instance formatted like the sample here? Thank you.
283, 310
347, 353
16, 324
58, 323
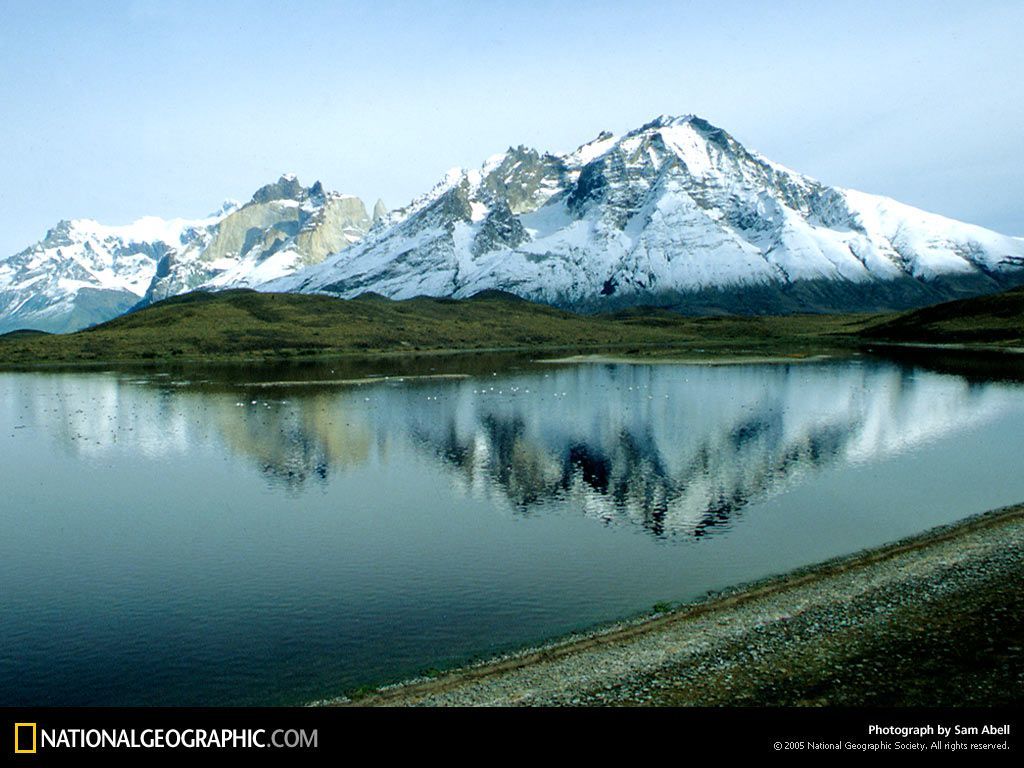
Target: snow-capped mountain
676, 213
84, 272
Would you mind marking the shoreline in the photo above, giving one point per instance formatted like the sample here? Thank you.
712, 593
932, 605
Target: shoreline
790, 639
675, 352
628, 353
356, 382
696, 359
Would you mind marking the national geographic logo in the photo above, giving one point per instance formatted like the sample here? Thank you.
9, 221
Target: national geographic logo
25, 738
29, 738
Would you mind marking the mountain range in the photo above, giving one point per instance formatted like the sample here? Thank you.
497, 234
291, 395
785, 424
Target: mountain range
676, 214
83, 272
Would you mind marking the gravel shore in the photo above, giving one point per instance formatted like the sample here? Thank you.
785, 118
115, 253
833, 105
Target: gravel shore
933, 620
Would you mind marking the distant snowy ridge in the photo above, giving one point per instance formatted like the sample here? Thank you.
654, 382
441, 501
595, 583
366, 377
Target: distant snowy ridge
84, 272
675, 213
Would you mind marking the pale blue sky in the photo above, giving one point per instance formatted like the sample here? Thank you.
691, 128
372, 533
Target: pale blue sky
114, 110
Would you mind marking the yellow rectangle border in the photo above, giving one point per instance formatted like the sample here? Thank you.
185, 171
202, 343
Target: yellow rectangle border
25, 751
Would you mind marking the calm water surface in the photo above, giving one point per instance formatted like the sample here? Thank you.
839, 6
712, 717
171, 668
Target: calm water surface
233, 541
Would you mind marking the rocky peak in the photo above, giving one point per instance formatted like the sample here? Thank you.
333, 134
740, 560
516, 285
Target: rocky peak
60, 235
454, 205
501, 228
285, 188
524, 178
666, 121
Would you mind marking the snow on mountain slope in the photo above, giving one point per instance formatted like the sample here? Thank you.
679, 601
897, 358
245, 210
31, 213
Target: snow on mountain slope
284, 227
83, 272
676, 213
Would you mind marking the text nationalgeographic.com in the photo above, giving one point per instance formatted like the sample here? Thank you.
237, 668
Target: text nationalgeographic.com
28, 738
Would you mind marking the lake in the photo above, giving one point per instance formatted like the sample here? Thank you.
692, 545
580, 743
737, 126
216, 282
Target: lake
278, 536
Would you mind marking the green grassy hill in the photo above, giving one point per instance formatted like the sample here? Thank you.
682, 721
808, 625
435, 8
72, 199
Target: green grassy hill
246, 325
996, 319
235, 325
22, 335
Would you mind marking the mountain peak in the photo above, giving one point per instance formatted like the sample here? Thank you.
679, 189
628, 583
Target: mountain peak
666, 121
672, 128
285, 188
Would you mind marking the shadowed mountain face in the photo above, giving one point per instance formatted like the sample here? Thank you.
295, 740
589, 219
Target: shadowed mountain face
676, 451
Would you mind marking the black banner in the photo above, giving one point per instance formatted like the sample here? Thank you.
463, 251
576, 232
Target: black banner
314, 736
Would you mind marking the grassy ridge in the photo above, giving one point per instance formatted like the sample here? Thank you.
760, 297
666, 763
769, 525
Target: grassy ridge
242, 324
246, 325
995, 319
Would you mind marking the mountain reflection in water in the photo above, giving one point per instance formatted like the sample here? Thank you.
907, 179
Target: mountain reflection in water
675, 450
